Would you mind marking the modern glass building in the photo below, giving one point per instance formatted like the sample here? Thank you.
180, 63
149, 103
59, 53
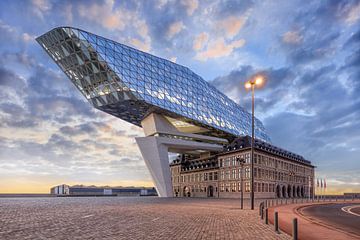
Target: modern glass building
129, 83
178, 110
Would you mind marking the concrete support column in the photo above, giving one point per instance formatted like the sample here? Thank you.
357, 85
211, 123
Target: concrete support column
156, 158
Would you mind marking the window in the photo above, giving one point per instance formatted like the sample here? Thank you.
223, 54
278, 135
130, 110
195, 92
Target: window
233, 161
222, 188
247, 157
239, 173
233, 173
205, 176
239, 186
227, 187
247, 172
222, 175
220, 162
233, 186
210, 176
247, 187
215, 176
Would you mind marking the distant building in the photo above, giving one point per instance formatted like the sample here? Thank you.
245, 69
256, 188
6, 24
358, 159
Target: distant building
62, 189
101, 191
355, 195
277, 173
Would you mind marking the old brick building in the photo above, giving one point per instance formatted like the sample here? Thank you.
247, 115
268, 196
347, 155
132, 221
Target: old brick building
277, 173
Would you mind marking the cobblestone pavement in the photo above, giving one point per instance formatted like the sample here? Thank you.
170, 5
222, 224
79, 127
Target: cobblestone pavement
130, 218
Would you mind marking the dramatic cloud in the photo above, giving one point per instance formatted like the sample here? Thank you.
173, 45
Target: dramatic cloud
219, 48
191, 6
200, 41
174, 29
231, 25
292, 37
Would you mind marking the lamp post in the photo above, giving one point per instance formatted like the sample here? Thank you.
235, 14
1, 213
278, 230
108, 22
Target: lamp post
256, 81
241, 161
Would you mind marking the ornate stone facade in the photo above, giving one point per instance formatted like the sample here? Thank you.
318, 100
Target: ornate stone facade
277, 173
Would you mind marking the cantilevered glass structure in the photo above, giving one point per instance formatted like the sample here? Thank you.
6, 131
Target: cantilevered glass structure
130, 84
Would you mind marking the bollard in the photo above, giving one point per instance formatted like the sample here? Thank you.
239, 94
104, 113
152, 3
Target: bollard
276, 222
266, 216
295, 236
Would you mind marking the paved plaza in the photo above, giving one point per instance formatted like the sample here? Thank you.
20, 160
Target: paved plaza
130, 218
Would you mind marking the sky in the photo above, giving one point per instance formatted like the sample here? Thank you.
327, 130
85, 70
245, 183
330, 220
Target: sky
310, 104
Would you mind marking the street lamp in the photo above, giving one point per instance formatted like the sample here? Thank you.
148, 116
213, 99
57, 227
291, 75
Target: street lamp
255, 81
241, 161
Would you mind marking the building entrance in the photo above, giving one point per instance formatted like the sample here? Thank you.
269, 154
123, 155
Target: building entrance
210, 191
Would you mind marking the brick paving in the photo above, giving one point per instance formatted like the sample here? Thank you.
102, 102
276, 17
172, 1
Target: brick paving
130, 218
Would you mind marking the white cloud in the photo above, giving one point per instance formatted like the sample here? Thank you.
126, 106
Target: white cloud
200, 41
143, 46
105, 15
353, 15
231, 25
41, 7
191, 6
219, 48
292, 37
174, 29
173, 59
28, 37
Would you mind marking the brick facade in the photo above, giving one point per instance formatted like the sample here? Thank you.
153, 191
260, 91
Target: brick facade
277, 174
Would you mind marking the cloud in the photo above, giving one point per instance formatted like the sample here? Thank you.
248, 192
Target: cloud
144, 46
233, 7
292, 37
231, 25
219, 48
174, 29
200, 41
191, 6
104, 14
353, 15
41, 7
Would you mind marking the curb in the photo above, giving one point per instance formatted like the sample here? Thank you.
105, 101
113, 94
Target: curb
298, 211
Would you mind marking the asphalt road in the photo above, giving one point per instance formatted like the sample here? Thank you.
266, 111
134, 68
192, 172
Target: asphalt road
333, 215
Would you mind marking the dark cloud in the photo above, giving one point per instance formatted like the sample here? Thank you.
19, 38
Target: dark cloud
10, 79
89, 128
278, 80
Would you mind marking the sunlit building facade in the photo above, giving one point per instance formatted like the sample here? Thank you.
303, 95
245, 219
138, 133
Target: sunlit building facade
277, 173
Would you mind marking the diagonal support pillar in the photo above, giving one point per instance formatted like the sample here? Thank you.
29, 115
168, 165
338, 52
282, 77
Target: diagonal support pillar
156, 158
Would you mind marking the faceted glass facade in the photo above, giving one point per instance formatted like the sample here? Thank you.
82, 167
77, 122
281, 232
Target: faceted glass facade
130, 84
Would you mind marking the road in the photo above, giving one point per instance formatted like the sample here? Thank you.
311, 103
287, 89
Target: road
344, 216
